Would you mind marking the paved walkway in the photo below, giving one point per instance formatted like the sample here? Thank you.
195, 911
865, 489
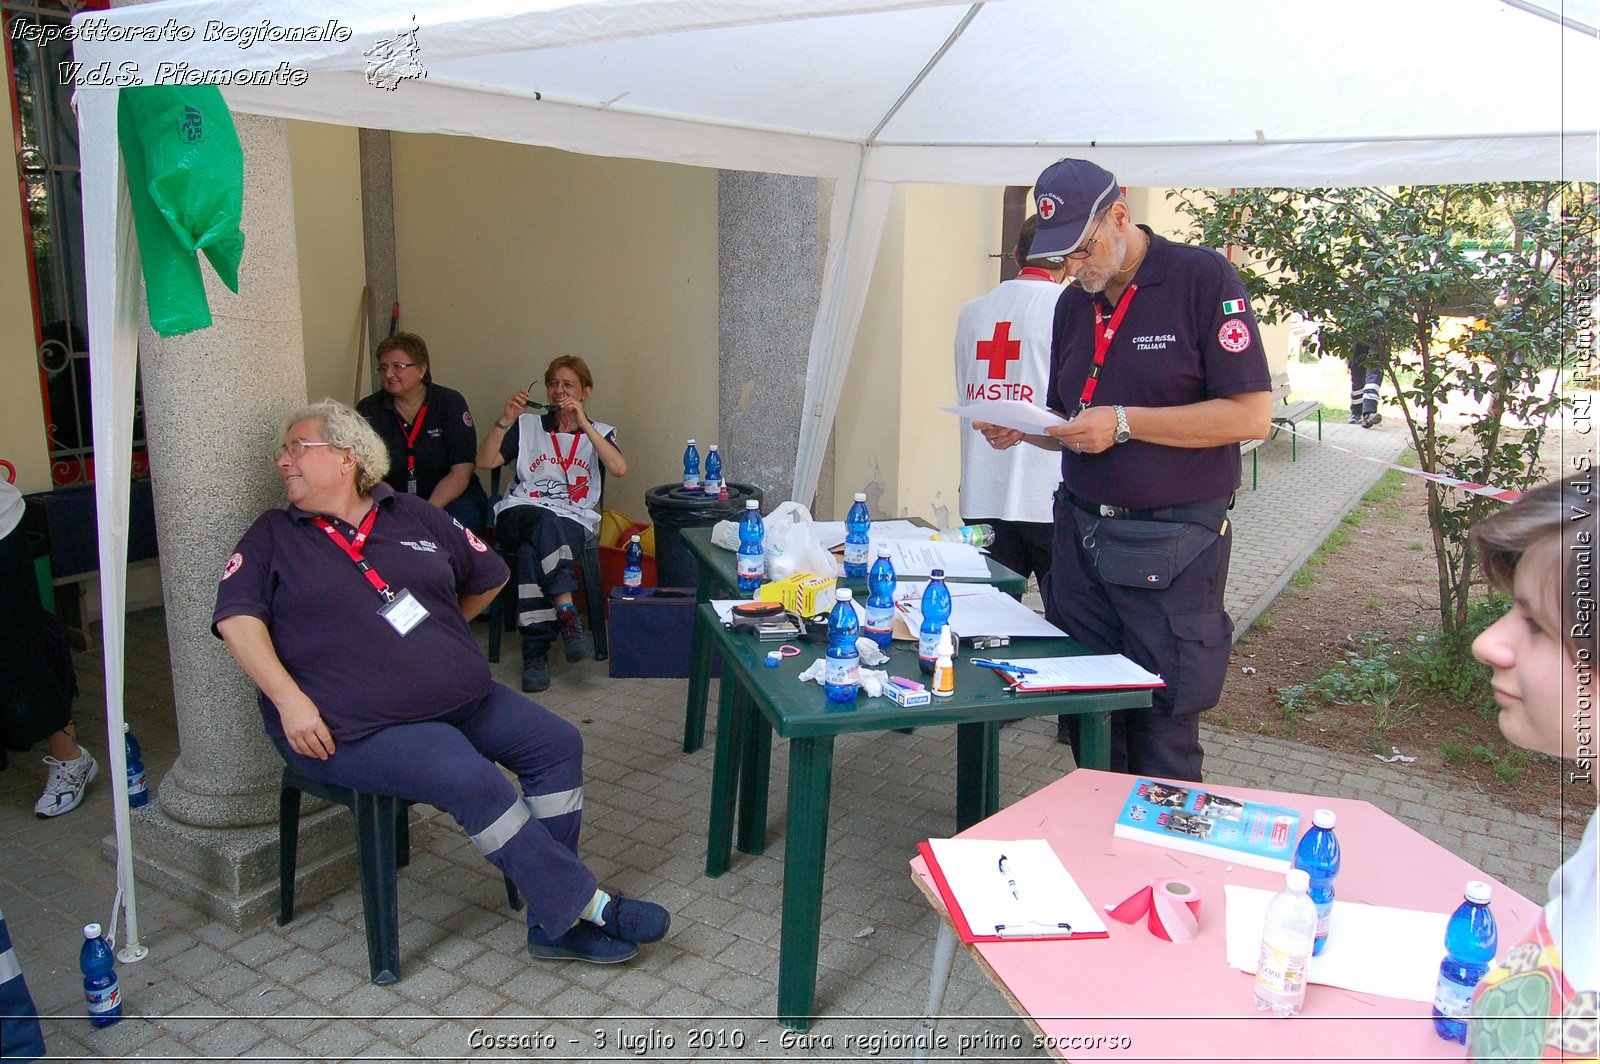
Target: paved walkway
301, 992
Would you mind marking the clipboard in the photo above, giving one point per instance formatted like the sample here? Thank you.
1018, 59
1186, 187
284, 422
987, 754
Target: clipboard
1085, 925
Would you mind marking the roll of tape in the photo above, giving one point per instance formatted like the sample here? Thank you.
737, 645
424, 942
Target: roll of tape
1171, 906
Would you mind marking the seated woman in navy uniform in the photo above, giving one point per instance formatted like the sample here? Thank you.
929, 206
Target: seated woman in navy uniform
560, 458
428, 431
349, 610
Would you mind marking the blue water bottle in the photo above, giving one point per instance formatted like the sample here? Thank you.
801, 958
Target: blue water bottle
691, 469
857, 549
842, 671
100, 989
880, 599
713, 484
752, 552
935, 615
138, 789
1470, 939
633, 568
1318, 854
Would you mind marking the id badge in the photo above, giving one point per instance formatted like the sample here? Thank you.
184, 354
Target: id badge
411, 486
404, 612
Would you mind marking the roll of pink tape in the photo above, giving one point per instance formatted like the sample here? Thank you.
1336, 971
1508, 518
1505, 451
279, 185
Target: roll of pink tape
1171, 905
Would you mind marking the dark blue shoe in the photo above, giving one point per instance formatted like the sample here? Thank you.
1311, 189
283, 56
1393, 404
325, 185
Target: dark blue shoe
584, 942
633, 920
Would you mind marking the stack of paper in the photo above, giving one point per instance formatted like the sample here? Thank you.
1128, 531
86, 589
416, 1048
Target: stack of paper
987, 613
1087, 672
921, 557
999, 890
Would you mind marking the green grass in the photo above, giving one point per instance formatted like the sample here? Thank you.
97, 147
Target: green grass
1454, 752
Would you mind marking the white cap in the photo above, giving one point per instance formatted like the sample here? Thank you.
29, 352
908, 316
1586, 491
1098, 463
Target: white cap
884, 551
861, 496
844, 594
1477, 892
691, 441
946, 647
1323, 818
92, 931
713, 446
126, 727
634, 539
751, 504
1298, 880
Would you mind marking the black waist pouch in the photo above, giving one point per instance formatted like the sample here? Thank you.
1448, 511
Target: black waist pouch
1147, 554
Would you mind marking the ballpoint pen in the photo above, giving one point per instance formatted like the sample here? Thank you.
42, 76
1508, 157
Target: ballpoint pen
1001, 666
1010, 882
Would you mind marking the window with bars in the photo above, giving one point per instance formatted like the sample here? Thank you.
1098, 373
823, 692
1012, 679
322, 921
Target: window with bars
46, 137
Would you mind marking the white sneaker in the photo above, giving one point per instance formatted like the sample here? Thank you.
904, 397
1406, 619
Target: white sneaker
64, 789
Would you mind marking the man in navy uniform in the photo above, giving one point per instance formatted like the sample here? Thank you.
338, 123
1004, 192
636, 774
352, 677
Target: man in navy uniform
1157, 366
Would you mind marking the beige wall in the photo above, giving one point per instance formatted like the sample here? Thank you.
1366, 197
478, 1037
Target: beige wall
326, 175
22, 436
510, 256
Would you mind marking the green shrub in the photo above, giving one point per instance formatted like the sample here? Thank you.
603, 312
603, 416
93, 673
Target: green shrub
1441, 664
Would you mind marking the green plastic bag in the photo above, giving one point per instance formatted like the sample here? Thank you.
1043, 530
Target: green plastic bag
186, 180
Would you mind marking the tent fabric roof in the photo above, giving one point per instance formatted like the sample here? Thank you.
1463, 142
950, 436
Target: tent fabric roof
1163, 92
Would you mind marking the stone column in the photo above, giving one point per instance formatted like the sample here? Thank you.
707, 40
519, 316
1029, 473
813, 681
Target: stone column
212, 404
377, 229
771, 241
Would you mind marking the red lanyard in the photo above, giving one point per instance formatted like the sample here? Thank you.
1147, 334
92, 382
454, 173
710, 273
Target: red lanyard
1103, 335
411, 439
353, 549
1034, 272
565, 463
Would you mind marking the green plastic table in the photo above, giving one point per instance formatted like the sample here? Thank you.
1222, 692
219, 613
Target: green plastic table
756, 701
719, 579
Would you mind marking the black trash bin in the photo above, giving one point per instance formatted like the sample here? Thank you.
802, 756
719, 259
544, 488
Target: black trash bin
671, 509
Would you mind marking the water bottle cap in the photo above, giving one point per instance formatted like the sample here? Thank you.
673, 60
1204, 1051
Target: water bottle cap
633, 539
751, 504
92, 931
713, 446
844, 594
691, 441
1323, 818
1477, 892
1298, 880
861, 496
126, 727
937, 574
883, 550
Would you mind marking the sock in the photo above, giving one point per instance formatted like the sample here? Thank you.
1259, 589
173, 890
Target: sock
596, 906
566, 607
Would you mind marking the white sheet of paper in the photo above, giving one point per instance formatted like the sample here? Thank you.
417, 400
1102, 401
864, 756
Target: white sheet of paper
921, 558
724, 608
831, 533
1046, 893
1087, 670
1372, 949
912, 590
992, 613
1011, 413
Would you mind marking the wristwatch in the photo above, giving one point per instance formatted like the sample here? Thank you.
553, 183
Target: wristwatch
1124, 434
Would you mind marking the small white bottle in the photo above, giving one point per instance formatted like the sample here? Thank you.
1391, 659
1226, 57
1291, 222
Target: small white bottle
1286, 941
944, 669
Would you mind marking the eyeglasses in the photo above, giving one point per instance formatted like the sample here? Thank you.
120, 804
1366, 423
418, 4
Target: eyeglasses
385, 368
297, 448
1086, 249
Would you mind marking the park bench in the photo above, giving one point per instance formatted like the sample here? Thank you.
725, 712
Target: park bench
1284, 413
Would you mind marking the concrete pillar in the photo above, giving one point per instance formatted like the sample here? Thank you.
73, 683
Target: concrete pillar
212, 404
771, 241
377, 229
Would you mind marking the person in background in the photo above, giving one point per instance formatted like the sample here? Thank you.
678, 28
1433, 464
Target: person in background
37, 684
1158, 362
560, 459
349, 611
1365, 377
428, 431
1540, 1002
1003, 352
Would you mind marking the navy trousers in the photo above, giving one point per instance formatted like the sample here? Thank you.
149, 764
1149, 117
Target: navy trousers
1180, 631
453, 764
20, 1037
547, 547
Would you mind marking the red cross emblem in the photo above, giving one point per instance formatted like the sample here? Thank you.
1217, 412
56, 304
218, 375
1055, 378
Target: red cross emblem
999, 351
1047, 208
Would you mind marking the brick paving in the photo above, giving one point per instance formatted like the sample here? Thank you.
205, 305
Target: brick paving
301, 992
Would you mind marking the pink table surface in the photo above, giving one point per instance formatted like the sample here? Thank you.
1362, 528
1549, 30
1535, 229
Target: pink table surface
1182, 1002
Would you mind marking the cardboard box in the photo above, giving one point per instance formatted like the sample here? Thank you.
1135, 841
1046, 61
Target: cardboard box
900, 696
804, 593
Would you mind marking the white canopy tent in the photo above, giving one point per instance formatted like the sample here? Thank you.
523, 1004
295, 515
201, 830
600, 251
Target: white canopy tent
868, 93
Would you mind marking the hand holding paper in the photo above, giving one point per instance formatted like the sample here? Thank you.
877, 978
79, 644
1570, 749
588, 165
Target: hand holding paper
1010, 413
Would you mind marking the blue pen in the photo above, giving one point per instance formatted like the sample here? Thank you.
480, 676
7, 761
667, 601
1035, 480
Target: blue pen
1003, 667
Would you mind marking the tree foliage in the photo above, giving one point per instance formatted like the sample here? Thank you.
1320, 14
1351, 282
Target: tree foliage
1383, 265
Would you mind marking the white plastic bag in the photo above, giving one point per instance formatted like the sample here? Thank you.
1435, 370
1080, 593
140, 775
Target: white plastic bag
790, 540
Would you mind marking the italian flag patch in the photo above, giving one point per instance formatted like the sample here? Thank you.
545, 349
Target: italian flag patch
1233, 306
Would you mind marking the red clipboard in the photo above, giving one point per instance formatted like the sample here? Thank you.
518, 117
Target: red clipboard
959, 918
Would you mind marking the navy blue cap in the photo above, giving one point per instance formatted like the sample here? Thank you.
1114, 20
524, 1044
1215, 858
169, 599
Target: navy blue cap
1067, 196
